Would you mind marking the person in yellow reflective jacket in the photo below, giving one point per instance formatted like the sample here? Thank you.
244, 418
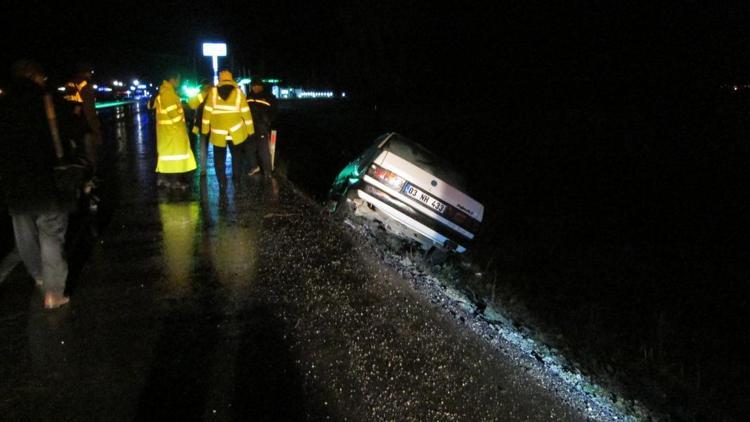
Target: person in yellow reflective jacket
197, 102
175, 157
226, 116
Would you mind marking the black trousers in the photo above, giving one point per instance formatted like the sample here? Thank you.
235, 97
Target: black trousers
258, 148
220, 158
174, 178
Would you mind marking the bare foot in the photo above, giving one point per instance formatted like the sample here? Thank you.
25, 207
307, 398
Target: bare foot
55, 300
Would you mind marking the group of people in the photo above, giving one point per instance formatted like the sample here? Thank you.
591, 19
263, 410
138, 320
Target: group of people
45, 136
44, 133
225, 118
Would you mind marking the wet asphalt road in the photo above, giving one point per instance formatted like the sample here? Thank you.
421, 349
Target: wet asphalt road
252, 306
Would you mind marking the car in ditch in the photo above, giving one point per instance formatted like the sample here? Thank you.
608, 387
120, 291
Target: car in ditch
413, 193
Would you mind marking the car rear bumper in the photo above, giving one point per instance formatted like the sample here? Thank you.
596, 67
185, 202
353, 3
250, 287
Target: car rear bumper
389, 205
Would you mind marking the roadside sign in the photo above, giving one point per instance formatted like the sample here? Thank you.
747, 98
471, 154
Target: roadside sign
215, 50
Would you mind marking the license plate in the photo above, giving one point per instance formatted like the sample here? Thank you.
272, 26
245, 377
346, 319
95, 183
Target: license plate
420, 196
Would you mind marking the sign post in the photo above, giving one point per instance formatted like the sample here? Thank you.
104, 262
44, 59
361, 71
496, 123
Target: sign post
215, 50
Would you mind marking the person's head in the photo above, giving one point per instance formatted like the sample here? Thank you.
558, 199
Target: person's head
225, 75
257, 85
205, 84
29, 69
83, 71
173, 77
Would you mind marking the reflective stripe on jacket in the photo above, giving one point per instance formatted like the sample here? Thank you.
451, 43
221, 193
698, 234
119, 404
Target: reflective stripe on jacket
172, 142
73, 91
228, 117
81, 97
263, 109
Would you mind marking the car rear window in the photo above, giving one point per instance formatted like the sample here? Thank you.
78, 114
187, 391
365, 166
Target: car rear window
425, 159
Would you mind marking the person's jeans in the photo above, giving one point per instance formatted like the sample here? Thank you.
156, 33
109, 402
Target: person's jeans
40, 239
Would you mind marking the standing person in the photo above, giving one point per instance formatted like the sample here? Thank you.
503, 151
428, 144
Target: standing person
175, 157
263, 108
227, 116
81, 128
29, 150
80, 92
197, 103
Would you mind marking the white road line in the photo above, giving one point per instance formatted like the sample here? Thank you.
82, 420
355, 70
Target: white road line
8, 264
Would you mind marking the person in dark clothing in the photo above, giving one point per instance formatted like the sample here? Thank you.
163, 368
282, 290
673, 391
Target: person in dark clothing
81, 130
263, 108
29, 150
80, 93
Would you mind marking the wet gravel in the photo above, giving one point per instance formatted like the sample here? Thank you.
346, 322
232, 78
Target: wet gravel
396, 352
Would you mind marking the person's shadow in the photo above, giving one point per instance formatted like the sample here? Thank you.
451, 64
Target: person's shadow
268, 386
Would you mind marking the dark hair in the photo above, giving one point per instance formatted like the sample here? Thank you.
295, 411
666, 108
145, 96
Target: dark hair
257, 81
25, 68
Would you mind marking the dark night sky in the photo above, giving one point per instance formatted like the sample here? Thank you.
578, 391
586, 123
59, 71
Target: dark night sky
383, 48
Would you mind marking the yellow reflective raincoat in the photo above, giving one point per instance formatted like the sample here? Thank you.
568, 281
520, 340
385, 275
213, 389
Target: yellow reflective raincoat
227, 117
172, 143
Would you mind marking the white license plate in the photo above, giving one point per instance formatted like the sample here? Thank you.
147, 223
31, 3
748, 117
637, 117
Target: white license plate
424, 198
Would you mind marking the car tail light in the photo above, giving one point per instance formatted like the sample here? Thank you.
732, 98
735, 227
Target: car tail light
387, 177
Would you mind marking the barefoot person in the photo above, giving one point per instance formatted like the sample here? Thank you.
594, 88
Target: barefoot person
27, 156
